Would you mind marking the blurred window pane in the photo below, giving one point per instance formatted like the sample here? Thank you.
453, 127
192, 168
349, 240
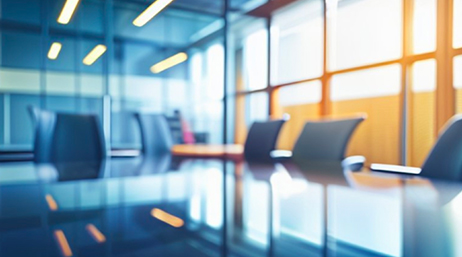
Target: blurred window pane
205, 111
302, 103
424, 26
257, 108
304, 93
375, 92
19, 49
88, 16
458, 71
422, 111
457, 29
362, 32
215, 71
458, 82
297, 35
256, 59
23, 11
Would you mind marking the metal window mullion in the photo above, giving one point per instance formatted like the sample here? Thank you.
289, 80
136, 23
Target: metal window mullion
445, 102
325, 79
108, 61
407, 27
6, 119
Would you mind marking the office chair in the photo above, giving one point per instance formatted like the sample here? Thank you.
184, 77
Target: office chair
261, 140
444, 160
77, 138
44, 125
34, 113
156, 136
324, 141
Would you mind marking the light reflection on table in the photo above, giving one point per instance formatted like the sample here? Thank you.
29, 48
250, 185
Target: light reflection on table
271, 210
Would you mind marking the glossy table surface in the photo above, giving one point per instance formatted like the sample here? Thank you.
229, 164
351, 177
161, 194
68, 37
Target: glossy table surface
194, 207
230, 151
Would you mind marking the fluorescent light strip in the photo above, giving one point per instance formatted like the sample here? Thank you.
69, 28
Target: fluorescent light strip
95, 233
67, 11
51, 202
55, 48
169, 62
167, 218
150, 12
62, 242
94, 54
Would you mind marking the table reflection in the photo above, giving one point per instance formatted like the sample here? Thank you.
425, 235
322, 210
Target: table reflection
190, 207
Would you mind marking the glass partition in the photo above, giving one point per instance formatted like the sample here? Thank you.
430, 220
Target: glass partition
42, 64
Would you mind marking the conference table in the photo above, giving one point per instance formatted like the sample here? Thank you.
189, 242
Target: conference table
229, 151
232, 152
170, 206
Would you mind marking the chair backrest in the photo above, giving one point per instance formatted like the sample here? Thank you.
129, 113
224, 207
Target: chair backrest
77, 138
156, 136
325, 140
34, 113
445, 159
261, 140
45, 122
176, 128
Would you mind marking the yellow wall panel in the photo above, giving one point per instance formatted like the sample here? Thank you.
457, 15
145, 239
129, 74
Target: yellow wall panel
299, 114
422, 127
458, 100
240, 133
378, 137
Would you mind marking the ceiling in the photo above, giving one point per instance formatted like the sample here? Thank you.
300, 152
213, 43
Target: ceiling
204, 6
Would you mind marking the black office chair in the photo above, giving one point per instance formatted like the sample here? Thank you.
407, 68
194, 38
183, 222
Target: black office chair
155, 134
34, 113
77, 138
324, 141
261, 140
45, 122
444, 160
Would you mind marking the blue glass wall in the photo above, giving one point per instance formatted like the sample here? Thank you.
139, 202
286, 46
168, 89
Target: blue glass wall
29, 78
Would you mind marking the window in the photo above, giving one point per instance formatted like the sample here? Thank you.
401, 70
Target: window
10, 10
215, 71
207, 77
424, 26
256, 59
362, 32
457, 25
375, 92
257, 108
301, 102
422, 112
458, 82
297, 38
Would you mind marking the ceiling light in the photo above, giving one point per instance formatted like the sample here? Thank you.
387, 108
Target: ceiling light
95, 233
167, 218
94, 54
67, 11
55, 48
169, 62
51, 202
62, 242
150, 12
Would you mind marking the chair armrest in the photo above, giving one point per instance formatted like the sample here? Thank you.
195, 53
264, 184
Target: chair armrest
354, 163
281, 155
395, 169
